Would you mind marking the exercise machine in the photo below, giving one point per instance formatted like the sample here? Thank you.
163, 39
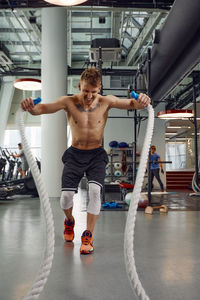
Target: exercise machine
24, 186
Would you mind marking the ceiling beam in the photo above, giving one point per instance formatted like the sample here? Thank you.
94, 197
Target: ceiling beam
12, 30
19, 43
17, 17
28, 53
71, 71
81, 43
23, 62
88, 30
144, 35
128, 4
115, 24
128, 36
35, 31
135, 22
95, 14
10, 23
74, 30
78, 11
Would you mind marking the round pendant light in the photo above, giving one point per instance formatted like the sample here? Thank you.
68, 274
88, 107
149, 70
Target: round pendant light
28, 84
175, 114
66, 2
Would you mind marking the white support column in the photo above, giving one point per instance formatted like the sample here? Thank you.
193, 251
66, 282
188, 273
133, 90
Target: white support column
6, 97
54, 83
69, 38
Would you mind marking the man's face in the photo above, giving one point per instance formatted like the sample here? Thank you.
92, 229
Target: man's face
153, 149
88, 91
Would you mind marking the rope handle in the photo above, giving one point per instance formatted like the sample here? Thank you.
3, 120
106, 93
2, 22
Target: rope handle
37, 100
134, 95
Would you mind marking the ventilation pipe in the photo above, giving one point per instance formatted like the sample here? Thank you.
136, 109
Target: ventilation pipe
179, 35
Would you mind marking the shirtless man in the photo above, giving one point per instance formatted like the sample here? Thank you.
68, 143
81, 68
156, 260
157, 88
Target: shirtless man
87, 113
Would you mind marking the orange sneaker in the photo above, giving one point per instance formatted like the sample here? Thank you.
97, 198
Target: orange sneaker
69, 230
87, 243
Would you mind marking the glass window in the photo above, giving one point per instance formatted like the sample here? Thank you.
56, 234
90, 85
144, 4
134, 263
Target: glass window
33, 135
176, 152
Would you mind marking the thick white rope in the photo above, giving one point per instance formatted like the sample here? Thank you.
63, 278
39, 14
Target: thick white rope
45, 268
131, 218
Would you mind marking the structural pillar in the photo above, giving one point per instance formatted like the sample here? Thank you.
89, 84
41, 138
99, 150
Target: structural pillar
54, 84
6, 97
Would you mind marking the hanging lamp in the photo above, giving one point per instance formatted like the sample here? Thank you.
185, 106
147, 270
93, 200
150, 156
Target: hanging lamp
175, 114
28, 84
65, 2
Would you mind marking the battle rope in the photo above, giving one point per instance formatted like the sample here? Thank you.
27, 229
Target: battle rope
45, 268
131, 218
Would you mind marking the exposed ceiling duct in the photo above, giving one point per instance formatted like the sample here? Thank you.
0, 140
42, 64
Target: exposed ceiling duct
189, 58
178, 50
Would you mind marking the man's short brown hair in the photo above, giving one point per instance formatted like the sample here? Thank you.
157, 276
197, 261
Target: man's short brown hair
92, 76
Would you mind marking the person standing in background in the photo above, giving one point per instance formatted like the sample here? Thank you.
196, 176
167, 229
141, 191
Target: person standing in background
155, 167
24, 165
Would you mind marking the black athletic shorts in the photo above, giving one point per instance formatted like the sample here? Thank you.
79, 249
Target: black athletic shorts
79, 162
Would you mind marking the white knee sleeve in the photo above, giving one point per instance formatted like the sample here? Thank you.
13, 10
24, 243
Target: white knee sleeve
94, 205
66, 199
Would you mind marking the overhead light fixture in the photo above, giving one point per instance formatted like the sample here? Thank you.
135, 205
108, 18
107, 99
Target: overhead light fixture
65, 2
28, 84
170, 133
174, 142
178, 127
175, 114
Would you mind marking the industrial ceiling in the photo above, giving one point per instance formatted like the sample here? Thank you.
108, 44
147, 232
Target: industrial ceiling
131, 22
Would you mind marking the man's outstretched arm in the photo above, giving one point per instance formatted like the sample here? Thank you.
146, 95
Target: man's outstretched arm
47, 108
115, 102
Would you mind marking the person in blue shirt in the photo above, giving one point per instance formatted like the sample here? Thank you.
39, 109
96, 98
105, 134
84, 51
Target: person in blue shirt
155, 167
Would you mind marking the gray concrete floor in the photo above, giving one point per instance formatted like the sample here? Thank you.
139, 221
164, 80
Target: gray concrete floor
167, 252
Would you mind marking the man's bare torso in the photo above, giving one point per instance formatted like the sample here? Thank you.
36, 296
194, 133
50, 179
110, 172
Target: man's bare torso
87, 123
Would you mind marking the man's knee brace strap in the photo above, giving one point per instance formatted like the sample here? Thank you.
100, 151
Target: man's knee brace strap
94, 205
66, 199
